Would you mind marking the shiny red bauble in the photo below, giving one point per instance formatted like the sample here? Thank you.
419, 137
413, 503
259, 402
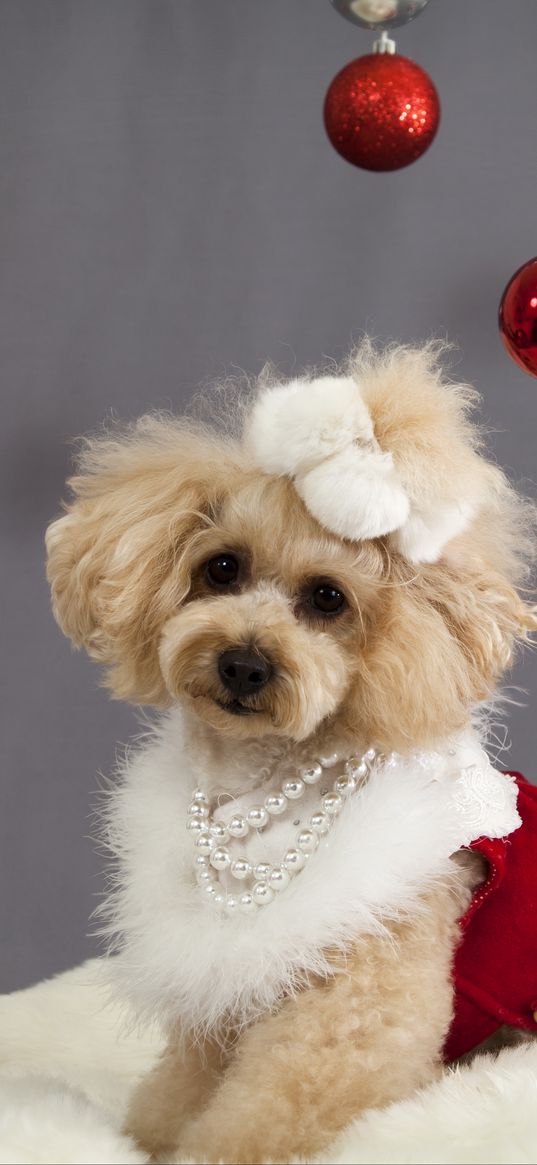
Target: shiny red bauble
518, 317
381, 112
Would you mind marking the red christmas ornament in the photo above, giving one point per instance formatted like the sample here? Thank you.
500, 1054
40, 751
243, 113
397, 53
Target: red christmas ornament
381, 112
518, 317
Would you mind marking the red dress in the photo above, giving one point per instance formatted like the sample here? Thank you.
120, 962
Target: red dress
495, 970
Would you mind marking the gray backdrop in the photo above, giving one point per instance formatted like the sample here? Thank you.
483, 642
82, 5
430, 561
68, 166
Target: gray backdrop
169, 210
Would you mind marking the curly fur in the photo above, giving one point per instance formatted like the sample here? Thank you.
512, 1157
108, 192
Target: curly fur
387, 1003
152, 504
417, 647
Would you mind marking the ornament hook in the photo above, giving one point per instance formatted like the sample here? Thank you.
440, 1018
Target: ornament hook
384, 44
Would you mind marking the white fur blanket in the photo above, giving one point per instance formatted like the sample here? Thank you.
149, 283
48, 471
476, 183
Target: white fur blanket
68, 1062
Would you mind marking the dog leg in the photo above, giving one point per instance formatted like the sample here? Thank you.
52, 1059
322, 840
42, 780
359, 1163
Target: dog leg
370, 1035
178, 1086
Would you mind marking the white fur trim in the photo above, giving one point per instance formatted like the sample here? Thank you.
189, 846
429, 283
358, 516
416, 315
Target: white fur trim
180, 960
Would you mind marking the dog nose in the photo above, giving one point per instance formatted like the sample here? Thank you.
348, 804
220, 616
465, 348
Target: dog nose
243, 671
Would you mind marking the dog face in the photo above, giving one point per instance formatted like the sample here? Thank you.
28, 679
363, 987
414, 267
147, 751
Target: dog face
195, 576
277, 614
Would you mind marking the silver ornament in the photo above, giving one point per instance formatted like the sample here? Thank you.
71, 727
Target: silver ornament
379, 14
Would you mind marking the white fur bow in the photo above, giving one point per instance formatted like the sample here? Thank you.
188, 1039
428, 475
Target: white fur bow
320, 433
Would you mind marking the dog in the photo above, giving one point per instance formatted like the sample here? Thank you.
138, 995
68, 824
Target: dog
319, 591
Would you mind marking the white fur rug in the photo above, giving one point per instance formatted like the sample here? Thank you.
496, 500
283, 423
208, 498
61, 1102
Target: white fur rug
68, 1062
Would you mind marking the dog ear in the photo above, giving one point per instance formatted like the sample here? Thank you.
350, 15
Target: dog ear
116, 561
486, 617
447, 636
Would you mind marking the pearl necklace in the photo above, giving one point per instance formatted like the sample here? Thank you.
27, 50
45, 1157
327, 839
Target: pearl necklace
212, 854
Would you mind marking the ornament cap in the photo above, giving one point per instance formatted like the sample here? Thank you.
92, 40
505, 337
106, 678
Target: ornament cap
384, 44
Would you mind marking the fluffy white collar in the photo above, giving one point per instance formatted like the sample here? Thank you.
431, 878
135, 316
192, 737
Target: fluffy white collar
179, 960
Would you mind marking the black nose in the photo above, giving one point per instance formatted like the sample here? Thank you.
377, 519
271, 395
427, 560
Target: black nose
243, 671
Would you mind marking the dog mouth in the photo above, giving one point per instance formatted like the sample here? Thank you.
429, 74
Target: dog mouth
235, 708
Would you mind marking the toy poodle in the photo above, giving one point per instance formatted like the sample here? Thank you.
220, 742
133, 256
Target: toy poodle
318, 589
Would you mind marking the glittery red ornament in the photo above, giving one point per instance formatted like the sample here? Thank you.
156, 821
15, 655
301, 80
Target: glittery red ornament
518, 317
381, 112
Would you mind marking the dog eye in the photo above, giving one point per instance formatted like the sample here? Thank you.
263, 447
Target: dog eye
222, 570
327, 599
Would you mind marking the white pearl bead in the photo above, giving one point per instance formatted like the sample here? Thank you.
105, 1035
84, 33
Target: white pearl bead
356, 769
200, 797
329, 760
240, 869
262, 893
257, 816
279, 878
332, 803
198, 811
238, 826
275, 804
320, 822
195, 826
312, 774
219, 831
247, 904
201, 862
210, 837
345, 785
205, 843
293, 789
294, 861
220, 858
307, 841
